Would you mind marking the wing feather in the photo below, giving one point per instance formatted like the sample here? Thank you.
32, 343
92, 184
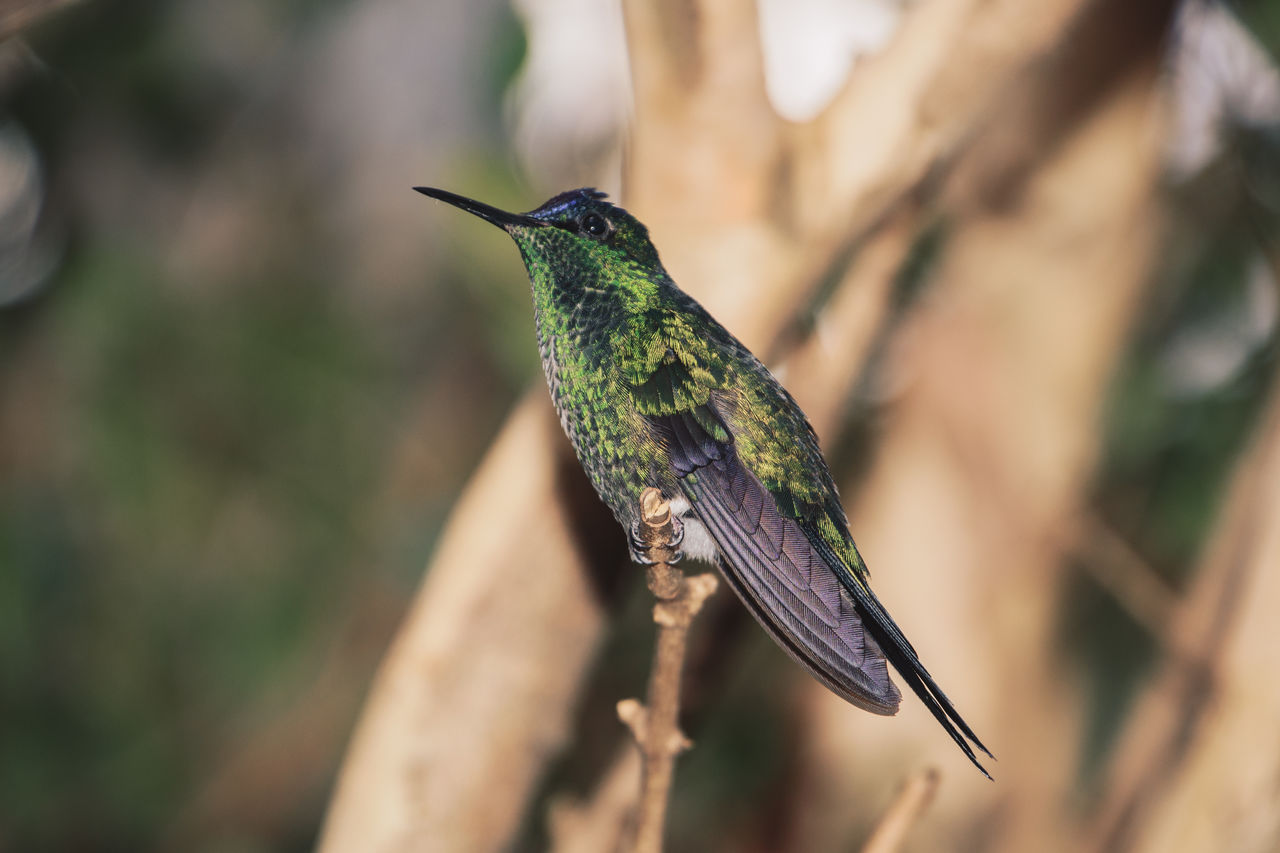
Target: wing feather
817, 624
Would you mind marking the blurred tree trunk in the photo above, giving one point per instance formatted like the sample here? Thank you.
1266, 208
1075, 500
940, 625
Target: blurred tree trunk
981, 472
988, 453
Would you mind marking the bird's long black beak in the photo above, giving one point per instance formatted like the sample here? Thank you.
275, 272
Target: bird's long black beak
501, 218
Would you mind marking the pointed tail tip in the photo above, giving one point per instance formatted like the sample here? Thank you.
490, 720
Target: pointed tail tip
980, 745
973, 758
968, 750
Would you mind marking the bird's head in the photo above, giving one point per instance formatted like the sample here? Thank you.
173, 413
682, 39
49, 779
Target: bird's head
576, 240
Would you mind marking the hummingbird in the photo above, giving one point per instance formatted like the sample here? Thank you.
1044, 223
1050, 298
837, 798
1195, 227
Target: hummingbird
653, 391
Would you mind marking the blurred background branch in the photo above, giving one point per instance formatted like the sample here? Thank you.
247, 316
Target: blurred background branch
1195, 766
905, 810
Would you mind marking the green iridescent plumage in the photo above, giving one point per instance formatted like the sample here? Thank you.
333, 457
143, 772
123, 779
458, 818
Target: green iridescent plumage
652, 391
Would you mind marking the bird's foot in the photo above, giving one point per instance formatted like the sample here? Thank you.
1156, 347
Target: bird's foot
640, 550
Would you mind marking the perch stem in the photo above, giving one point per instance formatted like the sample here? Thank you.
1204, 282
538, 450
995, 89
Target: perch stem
656, 726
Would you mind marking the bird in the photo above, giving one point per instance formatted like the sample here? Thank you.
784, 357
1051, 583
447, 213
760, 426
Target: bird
652, 391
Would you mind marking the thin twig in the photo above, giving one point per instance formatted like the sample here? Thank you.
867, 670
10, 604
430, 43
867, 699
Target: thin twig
906, 808
655, 726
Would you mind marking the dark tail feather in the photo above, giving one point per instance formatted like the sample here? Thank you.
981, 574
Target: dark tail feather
886, 633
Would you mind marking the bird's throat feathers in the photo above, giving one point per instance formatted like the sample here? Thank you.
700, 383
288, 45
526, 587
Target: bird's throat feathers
585, 291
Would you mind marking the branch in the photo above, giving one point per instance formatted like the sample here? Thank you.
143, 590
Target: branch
656, 727
911, 109
447, 749
903, 812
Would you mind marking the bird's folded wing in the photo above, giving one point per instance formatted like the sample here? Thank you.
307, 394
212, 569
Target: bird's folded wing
773, 567
809, 598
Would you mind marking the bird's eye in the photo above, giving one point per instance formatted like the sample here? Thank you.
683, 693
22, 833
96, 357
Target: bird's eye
594, 224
